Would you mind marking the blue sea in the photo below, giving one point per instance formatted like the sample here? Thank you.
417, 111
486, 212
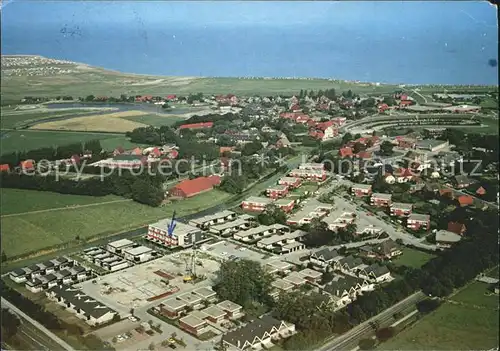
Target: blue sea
389, 42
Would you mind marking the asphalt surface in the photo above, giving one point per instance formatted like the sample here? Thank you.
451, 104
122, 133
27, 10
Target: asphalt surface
350, 340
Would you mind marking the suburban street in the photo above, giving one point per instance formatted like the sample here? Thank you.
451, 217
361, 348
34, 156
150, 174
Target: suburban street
35, 334
350, 340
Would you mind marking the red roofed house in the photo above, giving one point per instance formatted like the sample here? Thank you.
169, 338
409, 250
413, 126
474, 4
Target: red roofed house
4, 168
295, 108
143, 98
406, 143
27, 165
404, 103
171, 97
224, 149
200, 125
345, 152
136, 151
118, 151
364, 154
302, 118
403, 175
465, 200
76, 159
192, 187
457, 228
277, 191
383, 107
481, 191
156, 152
173, 153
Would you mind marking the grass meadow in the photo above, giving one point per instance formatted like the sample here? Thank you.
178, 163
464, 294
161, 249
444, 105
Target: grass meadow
469, 320
43, 230
413, 258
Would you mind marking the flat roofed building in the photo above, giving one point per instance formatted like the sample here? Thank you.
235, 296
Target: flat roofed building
233, 310
256, 203
138, 254
417, 221
309, 174
277, 191
206, 294
432, 144
214, 314
184, 235
311, 275
190, 299
256, 233
226, 229
446, 239
295, 278
192, 324
282, 285
217, 218
119, 245
291, 182
311, 209
172, 307
401, 209
379, 199
285, 204
280, 240
360, 190
278, 266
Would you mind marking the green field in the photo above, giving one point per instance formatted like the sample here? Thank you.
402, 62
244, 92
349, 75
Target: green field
469, 321
155, 120
13, 200
46, 229
413, 258
18, 140
19, 118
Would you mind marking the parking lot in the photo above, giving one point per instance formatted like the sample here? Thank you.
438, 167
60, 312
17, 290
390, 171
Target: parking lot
136, 286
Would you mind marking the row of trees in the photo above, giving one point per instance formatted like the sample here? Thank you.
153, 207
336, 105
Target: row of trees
144, 188
52, 153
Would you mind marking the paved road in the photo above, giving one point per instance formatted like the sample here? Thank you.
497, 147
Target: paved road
35, 334
350, 340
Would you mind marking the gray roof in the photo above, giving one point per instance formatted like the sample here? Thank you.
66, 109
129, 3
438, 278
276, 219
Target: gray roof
447, 236
344, 284
382, 196
429, 143
81, 301
362, 186
214, 311
247, 333
259, 199
462, 179
401, 205
377, 270
419, 217
386, 247
192, 321
227, 305
326, 254
351, 261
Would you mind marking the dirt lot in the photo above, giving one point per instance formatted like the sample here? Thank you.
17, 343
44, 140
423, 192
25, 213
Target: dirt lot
132, 287
111, 122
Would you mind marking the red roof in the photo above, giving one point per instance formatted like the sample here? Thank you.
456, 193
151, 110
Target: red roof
194, 186
364, 154
27, 164
403, 172
456, 227
223, 149
197, 125
481, 191
156, 152
345, 151
173, 153
136, 151
405, 102
403, 97
76, 158
323, 125
465, 200
295, 107
171, 97
4, 168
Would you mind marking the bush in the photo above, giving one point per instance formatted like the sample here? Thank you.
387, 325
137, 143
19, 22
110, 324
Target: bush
366, 344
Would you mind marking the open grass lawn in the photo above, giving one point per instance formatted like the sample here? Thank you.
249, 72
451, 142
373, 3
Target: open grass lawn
155, 120
46, 229
20, 201
413, 258
309, 187
19, 118
20, 140
468, 322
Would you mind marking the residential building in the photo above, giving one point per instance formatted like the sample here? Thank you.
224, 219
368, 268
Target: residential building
348, 264
346, 152
345, 290
207, 294
401, 209
462, 181
432, 145
361, 190
214, 314
285, 204
465, 200
216, 218
283, 243
4, 168
315, 175
417, 221
277, 191
183, 235
405, 142
375, 273
324, 257
387, 249
193, 324
280, 286
255, 203
254, 234
446, 239
191, 300
311, 275
138, 254
291, 182
123, 161
229, 228
233, 310
311, 209
381, 200
27, 165
84, 307
457, 228
192, 187
295, 278
339, 219
278, 266
172, 308
258, 334
403, 175
119, 245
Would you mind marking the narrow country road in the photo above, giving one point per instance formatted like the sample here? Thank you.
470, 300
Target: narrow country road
73, 207
35, 336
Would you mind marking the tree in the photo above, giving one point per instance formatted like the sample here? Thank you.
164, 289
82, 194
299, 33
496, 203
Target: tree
151, 346
386, 148
384, 334
389, 100
243, 282
358, 147
346, 138
4, 256
10, 324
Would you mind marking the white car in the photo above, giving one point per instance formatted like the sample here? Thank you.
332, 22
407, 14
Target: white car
243, 249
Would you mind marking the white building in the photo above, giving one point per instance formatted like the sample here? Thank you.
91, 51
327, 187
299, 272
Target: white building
138, 254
